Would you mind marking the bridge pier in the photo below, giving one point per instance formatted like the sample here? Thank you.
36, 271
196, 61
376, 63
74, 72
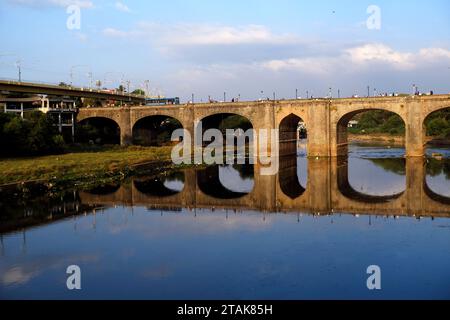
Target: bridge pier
415, 133
319, 134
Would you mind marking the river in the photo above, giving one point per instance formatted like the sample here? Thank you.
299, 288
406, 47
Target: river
227, 233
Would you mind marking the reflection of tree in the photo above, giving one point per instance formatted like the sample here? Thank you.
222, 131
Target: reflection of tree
436, 168
395, 165
245, 171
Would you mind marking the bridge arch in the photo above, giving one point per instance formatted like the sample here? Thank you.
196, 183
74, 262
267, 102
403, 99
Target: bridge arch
99, 130
154, 130
343, 123
292, 130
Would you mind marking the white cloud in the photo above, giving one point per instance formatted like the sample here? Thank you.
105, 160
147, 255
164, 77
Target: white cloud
207, 34
86, 4
380, 53
115, 33
122, 7
365, 56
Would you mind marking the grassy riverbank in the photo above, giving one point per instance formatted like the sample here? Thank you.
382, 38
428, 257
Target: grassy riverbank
83, 165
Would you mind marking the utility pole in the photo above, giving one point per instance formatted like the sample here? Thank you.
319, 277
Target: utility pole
90, 79
19, 67
147, 83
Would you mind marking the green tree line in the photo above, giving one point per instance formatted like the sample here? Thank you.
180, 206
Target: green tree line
34, 135
370, 122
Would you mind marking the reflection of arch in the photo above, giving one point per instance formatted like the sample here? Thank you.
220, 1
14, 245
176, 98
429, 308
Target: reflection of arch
288, 177
435, 196
155, 130
94, 128
342, 128
348, 191
208, 181
104, 190
155, 186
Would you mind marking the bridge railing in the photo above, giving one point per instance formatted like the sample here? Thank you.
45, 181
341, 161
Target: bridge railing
66, 87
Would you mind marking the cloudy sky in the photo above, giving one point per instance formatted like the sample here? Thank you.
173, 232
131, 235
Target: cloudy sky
238, 46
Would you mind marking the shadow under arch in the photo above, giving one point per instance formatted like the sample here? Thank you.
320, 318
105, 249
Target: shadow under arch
349, 192
100, 130
290, 134
232, 121
155, 186
155, 130
342, 127
208, 181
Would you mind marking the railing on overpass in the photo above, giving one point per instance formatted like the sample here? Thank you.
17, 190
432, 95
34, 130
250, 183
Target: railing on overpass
42, 87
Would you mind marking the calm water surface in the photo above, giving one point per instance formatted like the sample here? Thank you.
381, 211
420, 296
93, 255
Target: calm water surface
151, 247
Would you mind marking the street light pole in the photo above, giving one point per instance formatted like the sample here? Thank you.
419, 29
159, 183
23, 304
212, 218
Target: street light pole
19, 67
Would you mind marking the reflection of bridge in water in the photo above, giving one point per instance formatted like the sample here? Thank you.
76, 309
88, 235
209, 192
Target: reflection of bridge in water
328, 191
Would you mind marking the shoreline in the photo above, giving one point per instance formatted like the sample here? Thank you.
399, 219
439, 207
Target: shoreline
396, 140
87, 167
82, 168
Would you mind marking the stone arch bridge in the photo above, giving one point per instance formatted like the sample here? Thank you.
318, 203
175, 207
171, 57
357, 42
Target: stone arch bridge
325, 119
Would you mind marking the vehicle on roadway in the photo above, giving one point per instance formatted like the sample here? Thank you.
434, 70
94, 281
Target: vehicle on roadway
162, 101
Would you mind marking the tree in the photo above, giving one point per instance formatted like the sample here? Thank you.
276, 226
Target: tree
35, 135
139, 92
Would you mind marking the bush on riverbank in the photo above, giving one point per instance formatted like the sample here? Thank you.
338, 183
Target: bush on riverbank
34, 135
438, 124
379, 122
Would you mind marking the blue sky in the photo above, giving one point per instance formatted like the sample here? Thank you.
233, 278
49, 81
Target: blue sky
241, 47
